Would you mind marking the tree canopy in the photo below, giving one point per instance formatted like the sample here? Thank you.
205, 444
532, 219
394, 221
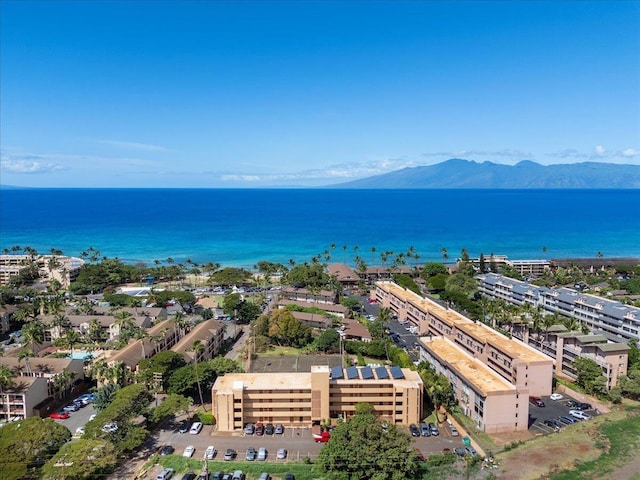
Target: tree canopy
25, 442
165, 363
86, 459
361, 449
589, 376
285, 329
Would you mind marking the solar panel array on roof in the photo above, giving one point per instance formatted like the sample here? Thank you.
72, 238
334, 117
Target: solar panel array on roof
337, 373
352, 373
382, 372
396, 372
366, 373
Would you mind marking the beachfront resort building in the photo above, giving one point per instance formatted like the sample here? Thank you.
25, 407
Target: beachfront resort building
303, 399
63, 269
492, 375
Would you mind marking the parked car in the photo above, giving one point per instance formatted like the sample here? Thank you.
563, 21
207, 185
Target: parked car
583, 406
282, 454
59, 415
216, 475
238, 475
536, 401
80, 431
413, 428
72, 407
434, 430
210, 452
279, 430
454, 431
289, 476
196, 428
110, 427
419, 454
189, 450
460, 451
552, 423
471, 451
230, 454
556, 396
269, 429
579, 414
188, 476
425, 431
567, 419
259, 429
264, 476
165, 474
571, 404
251, 454
226, 476
249, 429
167, 450
184, 427
262, 454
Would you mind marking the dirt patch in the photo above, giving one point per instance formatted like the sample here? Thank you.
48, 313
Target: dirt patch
554, 452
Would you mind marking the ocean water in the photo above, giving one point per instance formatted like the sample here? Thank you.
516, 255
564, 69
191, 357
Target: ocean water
240, 227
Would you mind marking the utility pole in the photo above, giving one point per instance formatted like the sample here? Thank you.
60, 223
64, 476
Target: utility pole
61, 463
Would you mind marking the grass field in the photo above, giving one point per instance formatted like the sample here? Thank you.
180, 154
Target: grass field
603, 447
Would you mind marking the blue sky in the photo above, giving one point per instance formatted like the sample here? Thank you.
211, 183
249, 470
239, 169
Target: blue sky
251, 94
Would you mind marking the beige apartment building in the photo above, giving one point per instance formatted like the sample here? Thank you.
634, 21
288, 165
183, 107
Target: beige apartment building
474, 357
303, 399
493, 404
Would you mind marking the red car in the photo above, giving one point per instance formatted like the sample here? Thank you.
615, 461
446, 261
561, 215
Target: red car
59, 415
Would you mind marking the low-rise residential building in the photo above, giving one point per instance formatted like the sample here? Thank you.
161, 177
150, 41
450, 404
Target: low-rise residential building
39, 379
19, 400
354, 330
314, 320
330, 308
308, 296
210, 335
344, 274
304, 399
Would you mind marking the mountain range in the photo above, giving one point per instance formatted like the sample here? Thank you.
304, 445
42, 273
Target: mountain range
459, 173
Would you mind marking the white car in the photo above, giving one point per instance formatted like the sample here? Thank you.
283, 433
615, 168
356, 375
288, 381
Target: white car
189, 451
110, 427
195, 428
579, 414
80, 431
210, 452
282, 454
556, 396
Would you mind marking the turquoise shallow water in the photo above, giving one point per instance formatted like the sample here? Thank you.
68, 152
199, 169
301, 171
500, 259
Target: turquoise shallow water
241, 227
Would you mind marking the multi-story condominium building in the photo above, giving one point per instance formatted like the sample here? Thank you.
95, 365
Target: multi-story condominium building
523, 370
210, 334
618, 322
38, 379
494, 404
61, 268
305, 399
608, 349
164, 336
565, 346
19, 401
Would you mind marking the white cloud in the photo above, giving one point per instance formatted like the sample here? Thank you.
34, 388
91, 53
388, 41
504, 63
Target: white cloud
29, 166
600, 150
145, 147
629, 153
488, 154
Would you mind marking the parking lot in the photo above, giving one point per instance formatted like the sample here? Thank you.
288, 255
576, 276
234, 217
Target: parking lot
552, 410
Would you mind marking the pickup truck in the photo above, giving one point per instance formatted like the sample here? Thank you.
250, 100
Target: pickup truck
323, 437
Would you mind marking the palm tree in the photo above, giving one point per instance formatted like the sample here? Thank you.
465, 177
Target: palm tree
33, 333
141, 334
198, 348
6, 378
25, 355
179, 324
124, 321
73, 337
445, 255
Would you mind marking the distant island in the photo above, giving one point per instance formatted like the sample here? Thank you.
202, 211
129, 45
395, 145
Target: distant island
459, 173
